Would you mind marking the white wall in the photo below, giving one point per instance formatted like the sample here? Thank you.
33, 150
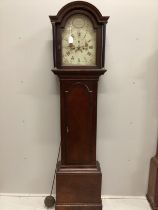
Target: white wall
29, 96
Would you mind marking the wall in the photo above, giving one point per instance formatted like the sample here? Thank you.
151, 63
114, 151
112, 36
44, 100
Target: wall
29, 105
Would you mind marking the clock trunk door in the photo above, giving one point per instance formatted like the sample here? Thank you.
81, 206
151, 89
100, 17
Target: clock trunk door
78, 126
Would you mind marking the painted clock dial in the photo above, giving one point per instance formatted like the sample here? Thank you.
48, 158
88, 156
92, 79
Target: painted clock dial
78, 42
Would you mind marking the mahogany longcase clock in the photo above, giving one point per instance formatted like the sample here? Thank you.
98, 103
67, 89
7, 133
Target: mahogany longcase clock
152, 193
79, 51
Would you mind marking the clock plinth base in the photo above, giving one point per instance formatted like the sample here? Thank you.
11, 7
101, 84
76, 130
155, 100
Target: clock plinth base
78, 188
79, 207
152, 194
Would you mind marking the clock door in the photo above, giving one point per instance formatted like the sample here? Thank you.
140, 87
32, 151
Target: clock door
79, 136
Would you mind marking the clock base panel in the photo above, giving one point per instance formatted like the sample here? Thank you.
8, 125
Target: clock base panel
78, 188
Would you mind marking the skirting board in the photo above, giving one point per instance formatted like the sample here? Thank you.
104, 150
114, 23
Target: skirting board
44, 195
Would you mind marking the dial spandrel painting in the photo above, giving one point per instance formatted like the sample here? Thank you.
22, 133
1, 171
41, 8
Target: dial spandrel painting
78, 42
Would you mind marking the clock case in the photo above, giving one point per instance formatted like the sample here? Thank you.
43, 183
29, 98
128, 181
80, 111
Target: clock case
78, 174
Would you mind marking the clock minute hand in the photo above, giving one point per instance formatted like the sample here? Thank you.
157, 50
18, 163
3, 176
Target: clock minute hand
84, 47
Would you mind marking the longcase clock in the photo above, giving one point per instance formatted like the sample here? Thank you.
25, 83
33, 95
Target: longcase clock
79, 52
152, 194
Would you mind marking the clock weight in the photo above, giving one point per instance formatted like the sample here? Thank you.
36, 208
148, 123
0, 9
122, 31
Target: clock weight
49, 200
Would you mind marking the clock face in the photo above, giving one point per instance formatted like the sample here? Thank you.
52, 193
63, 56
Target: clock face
78, 42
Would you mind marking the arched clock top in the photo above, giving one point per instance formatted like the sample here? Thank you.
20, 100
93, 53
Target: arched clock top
81, 6
79, 12
79, 31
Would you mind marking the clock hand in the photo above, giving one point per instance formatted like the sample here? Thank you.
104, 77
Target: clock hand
72, 47
78, 49
84, 47
84, 36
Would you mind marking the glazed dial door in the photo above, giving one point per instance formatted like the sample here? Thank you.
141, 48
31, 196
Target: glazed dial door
78, 42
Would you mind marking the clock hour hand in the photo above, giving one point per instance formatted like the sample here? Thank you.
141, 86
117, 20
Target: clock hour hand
78, 48
70, 46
